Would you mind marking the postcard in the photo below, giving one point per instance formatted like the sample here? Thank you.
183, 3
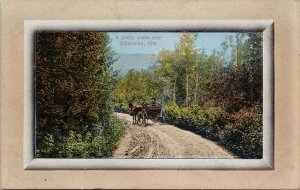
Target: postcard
149, 94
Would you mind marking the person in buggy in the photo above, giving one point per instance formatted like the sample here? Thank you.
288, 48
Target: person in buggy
153, 101
162, 111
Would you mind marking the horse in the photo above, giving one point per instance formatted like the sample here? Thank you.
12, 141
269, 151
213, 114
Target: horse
135, 109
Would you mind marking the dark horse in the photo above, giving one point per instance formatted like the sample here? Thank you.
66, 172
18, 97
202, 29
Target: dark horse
135, 109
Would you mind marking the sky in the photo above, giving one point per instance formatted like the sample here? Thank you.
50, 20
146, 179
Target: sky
152, 42
135, 49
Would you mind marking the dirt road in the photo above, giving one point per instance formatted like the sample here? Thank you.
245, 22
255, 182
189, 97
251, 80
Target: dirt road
158, 140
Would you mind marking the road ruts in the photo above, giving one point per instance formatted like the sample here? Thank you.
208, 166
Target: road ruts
159, 140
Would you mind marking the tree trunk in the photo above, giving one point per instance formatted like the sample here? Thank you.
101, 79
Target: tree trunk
236, 57
196, 88
187, 89
237, 50
174, 90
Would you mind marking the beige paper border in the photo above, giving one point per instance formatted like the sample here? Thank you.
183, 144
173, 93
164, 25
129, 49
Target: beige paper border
285, 15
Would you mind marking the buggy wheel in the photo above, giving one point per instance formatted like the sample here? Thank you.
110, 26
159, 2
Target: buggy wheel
145, 118
140, 118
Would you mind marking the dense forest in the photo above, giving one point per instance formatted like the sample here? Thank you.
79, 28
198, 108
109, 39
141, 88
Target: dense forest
74, 81
217, 96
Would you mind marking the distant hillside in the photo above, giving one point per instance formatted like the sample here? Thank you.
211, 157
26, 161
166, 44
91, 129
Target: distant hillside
133, 61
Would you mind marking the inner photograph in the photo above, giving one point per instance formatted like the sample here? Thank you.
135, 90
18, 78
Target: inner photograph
148, 95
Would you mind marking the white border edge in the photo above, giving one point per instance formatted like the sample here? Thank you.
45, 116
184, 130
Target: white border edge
143, 25
138, 164
268, 95
28, 96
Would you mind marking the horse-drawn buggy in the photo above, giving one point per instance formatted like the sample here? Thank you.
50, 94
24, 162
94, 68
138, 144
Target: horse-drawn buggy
142, 113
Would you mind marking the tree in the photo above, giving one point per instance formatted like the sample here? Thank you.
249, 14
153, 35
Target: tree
185, 56
186, 70
239, 84
137, 87
74, 80
206, 70
238, 49
254, 57
166, 73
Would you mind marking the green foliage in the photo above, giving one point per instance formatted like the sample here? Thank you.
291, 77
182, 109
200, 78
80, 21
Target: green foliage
136, 86
189, 75
240, 132
48, 146
104, 145
184, 74
74, 83
76, 145
73, 78
98, 148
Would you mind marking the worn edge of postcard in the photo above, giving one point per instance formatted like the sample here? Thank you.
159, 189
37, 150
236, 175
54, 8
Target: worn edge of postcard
265, 26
